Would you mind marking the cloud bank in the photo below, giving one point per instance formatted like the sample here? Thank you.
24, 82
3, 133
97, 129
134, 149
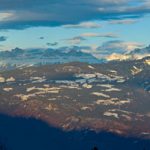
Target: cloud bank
21, 14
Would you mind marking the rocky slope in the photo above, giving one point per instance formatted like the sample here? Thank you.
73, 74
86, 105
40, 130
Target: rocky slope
111, 96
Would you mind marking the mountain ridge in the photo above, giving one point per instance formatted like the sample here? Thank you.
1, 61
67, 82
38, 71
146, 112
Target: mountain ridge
38, 56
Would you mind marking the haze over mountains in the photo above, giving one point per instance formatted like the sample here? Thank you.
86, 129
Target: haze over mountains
19, 57
26, 57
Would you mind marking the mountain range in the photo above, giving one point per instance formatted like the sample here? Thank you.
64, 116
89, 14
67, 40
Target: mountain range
79, 99
131, 55
19, 57
28, 57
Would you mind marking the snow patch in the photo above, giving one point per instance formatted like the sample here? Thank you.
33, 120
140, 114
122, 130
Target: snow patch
2, 79
11, 79
91, 67
112, 90
110, 114
88, 86
100, 94
7, 89
135, 70
112, 101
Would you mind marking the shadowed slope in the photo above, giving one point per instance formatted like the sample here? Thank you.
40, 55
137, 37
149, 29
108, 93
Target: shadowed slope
31, 134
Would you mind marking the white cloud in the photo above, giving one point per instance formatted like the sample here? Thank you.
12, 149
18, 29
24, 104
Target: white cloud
5, 16
126, 21
107, 35
120, 46
114, 49
83, 25
129, 46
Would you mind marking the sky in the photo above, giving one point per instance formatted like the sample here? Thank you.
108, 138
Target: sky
107, 26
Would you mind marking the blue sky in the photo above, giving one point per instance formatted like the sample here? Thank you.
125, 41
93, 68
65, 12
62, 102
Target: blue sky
95, 23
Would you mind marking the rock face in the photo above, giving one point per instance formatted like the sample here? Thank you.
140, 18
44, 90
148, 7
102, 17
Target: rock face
112, 96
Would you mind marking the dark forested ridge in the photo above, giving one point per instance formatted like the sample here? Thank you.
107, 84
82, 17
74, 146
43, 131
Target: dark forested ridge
30, 134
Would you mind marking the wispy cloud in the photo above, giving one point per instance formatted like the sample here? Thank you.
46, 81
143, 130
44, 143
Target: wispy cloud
85, 36
3, 38
83, 25
125, 21
75, 40
41, 38
113, 48
106, 35
4, 16
117, 46
52, 44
